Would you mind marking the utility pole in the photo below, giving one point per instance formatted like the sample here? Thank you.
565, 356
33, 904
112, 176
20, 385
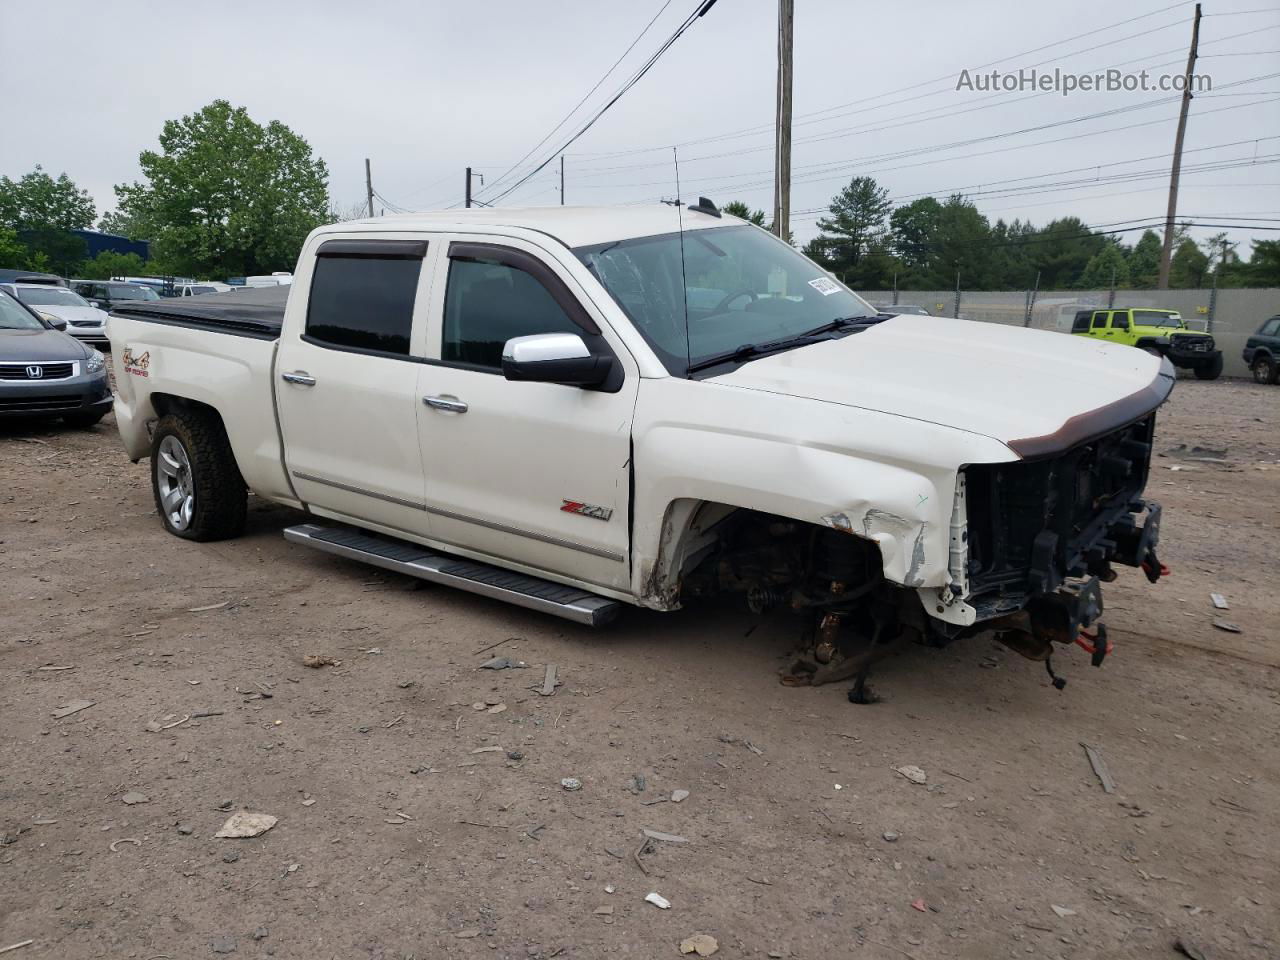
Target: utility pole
562, 179
468, 189
782, 154
368, 184
1166, 251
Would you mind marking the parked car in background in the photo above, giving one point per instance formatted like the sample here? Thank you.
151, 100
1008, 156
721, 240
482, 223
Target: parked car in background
1160, 332
45, 373
278, 279
27, 276
1262, 352
105, 294
83, 320
199, 289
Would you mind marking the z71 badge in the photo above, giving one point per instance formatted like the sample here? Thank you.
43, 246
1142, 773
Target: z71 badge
587, 509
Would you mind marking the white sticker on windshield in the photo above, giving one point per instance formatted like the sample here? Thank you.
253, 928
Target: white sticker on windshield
825, 286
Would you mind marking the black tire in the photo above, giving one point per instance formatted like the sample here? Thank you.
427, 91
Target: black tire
1264, 369
216, 488
1210, 369
83, 421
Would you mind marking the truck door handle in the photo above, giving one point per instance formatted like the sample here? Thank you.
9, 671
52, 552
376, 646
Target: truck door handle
300, 377
449, 404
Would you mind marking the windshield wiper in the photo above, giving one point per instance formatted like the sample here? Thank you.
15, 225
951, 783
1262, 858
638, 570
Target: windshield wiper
749, 351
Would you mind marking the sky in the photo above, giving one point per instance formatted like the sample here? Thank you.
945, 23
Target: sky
426, 88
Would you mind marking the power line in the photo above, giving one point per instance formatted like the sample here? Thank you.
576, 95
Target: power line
802, 118
699, 11
587, 95
924, 114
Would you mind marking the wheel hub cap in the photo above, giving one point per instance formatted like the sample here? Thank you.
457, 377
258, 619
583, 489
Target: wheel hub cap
173, 475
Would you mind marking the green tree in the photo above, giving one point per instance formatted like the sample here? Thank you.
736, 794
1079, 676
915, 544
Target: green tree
108, 264
1263, 269
1061, 251
913, 228
13, 253
37, 201
1189, 266
1109, 265
226, 195
43, 210
1144, 260
736, 208
857, 221
121, 225
962, 243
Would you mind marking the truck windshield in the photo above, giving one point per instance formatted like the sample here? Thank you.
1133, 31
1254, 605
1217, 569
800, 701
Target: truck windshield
1155, 318
736, 285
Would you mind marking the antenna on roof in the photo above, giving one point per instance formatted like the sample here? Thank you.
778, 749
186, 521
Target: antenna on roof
684, 280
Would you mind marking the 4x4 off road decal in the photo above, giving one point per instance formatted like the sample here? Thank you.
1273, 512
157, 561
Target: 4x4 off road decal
587, 509
136, 364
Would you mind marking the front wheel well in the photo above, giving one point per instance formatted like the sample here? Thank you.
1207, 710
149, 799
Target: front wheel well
708, 547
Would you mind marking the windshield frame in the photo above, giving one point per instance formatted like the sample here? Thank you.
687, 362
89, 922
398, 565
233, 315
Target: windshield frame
839, 323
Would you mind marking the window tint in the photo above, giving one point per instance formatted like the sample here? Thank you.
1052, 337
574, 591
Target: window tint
363, 302
1081, 323
1120, 320
1271, 328
1099, 320
486, 304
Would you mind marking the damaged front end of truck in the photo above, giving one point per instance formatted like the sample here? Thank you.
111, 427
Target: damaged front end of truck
1031, 542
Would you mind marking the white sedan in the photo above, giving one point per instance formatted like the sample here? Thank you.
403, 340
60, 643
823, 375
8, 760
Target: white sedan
84, 322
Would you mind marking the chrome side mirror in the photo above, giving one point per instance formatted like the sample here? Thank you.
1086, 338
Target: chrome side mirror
561, 358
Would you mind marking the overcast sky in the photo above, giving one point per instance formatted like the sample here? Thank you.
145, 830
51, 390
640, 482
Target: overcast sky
425, 88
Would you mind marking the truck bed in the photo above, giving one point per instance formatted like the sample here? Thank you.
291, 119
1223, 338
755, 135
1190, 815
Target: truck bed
256, 312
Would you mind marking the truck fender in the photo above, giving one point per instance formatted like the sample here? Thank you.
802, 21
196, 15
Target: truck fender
906, 514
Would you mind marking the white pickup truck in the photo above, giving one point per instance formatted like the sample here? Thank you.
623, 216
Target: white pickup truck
573, 409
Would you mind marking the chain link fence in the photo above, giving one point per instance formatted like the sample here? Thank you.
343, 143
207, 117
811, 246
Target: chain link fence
1230, 315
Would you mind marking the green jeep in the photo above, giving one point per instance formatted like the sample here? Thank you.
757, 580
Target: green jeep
1161, 332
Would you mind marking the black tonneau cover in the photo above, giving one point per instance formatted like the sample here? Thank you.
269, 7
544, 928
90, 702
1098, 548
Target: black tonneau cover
248, 312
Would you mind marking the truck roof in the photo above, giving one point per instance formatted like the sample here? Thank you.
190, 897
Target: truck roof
572, 226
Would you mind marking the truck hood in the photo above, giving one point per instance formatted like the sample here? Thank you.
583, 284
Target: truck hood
1034, 390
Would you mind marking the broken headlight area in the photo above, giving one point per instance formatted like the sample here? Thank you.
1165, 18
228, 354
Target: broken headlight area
1043, 535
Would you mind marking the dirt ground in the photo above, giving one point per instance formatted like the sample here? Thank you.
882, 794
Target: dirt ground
412, 825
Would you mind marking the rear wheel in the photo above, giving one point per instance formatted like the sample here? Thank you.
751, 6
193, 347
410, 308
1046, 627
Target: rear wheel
1264, 369
1210, 369
198, 489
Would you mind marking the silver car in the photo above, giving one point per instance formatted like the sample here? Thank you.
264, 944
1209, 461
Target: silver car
84, 321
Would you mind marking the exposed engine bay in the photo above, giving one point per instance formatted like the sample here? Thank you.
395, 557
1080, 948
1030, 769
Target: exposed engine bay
1039, 538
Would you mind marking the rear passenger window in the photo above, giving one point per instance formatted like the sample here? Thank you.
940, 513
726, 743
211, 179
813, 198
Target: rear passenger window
487, 303
1081, 323
362, 295
1100, 320
1120, 320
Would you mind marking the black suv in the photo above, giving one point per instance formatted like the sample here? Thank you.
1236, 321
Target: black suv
105, 294
1262, 352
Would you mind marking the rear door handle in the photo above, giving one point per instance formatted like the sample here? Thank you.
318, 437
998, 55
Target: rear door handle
300, 377
446, 403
